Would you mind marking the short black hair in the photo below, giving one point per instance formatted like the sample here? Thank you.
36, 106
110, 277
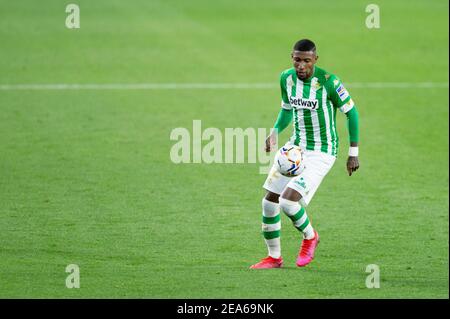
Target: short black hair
304, 45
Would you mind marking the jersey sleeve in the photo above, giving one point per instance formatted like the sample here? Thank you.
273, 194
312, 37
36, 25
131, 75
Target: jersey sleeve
339, 95
284, 97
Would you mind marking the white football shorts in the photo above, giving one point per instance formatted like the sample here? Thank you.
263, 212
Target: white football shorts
316, 166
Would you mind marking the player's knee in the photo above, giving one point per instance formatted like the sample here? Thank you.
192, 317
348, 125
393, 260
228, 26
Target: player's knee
291, 194
272, 197
288, 206
269, 208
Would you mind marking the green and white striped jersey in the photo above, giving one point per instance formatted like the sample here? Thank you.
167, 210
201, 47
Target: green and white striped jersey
314, 103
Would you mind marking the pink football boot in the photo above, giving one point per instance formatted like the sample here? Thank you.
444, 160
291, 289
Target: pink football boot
306, 254
268, 262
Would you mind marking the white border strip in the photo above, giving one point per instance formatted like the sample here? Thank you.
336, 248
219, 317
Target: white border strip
206, 86
398, 85
137, 86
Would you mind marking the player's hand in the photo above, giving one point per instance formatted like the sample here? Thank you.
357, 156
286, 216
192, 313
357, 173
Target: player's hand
352, 164
271, 141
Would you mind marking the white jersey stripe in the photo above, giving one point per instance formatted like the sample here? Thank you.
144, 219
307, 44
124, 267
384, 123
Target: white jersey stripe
289, 83
327, 119
315, 116
301, 119
333, 126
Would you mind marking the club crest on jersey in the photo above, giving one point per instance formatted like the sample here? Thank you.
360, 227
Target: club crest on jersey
342, 92
302, 103
316, 86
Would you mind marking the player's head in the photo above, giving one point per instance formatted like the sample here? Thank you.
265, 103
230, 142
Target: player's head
304, 57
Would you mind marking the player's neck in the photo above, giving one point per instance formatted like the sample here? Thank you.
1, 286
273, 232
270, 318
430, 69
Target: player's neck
310, 76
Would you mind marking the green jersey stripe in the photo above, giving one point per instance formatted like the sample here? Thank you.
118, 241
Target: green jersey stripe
333, 127
337, 137
309, 129
292, 81
326, 113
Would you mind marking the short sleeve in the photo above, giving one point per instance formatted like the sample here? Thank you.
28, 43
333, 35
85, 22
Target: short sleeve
339, 95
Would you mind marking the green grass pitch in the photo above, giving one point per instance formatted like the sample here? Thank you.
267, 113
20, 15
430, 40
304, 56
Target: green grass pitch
86, 178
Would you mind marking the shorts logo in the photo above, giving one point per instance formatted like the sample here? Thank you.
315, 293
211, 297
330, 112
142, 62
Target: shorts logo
301, 103
342, 92
301, 183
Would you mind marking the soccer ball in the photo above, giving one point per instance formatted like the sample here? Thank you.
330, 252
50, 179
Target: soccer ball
289, 160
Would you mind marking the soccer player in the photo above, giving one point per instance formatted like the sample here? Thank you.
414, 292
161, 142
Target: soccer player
310, 96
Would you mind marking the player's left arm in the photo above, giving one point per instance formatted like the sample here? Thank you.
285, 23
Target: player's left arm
353, 132
342, 99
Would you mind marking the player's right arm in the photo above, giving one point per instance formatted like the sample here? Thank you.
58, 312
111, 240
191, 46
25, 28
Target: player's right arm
284, 116
342, 100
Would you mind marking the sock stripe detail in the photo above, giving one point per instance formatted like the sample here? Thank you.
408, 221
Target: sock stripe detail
300, 222
271, 227
297, 215
271, 220
271, 234
304, 225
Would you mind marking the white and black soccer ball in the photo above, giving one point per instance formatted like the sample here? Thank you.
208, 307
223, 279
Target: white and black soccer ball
288, 160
